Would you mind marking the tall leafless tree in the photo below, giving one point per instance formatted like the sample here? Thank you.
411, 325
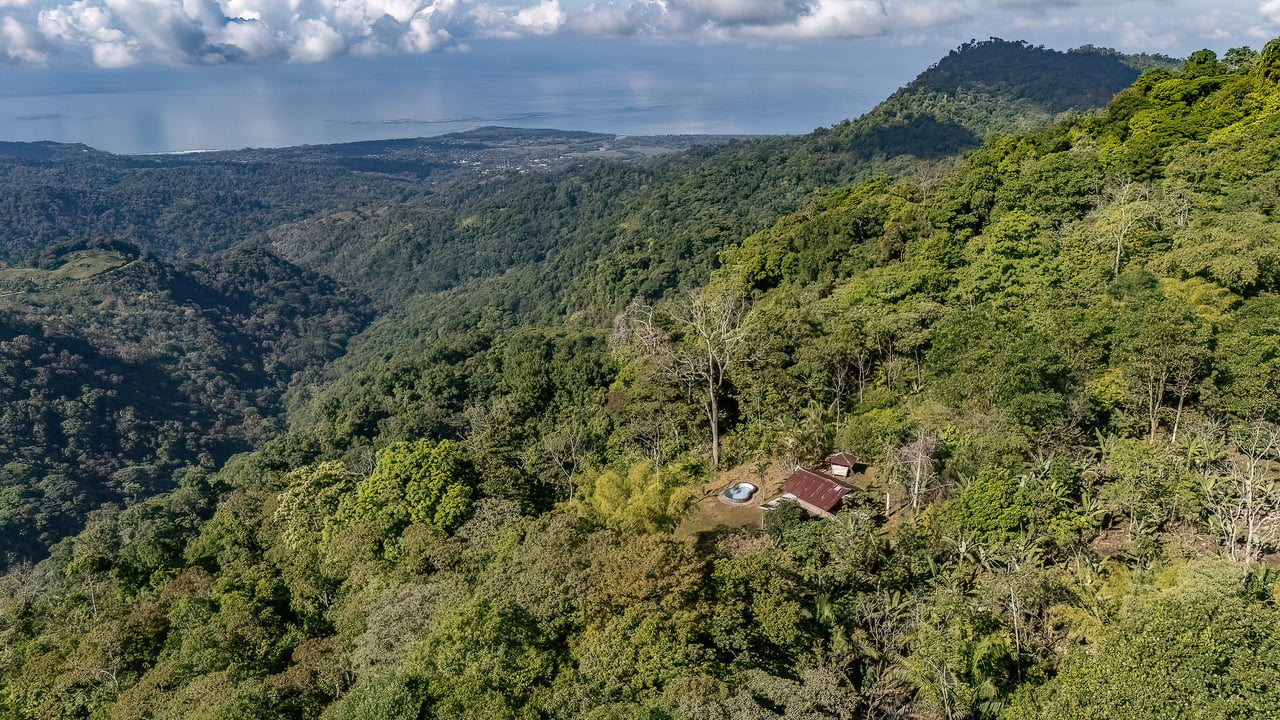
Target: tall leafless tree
1127, 207
1253, 508
703, 340
916, 460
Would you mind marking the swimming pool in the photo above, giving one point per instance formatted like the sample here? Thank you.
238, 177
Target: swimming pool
739, 492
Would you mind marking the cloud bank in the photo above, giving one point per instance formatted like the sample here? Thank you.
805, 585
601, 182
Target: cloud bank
118, 33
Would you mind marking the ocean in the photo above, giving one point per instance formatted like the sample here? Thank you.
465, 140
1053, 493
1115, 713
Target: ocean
625, 87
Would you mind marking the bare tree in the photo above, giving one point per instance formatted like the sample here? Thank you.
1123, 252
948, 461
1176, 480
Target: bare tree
1166, 357
657, 435
1127, 207
566, 450
1246, 500
361, 462
705, 340
1153, 376
916, 459
1183, 382
1176, 201
863, 362
839, 387
1258, 507
638, 327
851, 366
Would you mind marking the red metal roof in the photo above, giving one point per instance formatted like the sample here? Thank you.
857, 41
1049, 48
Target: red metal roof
844, 459
821, 491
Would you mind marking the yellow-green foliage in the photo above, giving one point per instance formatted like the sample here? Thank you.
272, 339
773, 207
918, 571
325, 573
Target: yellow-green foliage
310, 501
643, 499
422, 482
995, 508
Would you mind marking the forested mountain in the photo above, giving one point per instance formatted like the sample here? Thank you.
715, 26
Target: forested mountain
992, 86
121, 373
1061, 358
179, 205
590, 239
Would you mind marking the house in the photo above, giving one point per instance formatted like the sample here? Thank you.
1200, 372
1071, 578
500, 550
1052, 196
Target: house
842, 464
819, 493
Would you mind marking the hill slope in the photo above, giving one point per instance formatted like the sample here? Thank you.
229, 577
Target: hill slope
122, 372
590, 238
1059, 359
188, 204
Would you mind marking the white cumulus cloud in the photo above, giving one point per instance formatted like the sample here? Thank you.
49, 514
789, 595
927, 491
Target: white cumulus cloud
1271, 10
832, 18
314, 41
929, 14
117, 33
784, 19
544, 18
20, 44
1141, 35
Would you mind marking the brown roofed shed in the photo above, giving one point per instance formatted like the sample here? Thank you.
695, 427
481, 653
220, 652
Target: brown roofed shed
842, 464
823, 492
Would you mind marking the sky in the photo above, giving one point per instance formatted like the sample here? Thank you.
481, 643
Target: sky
125, 33
175, 75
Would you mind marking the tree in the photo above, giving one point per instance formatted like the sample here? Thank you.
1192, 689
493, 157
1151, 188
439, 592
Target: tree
961, 664
489, 660
916, 461
1241, 59
1000, 513
1128, 207
644, 499
566, 449
383, 697
1247, 360
1165, 351
1245, 501
1269, 61
1202, 62
421, 482
1199, 647
696, 343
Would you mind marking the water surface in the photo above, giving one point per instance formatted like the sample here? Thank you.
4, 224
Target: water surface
621, 87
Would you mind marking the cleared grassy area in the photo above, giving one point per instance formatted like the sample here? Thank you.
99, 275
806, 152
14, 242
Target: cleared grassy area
76, 266
709, 513
87, 263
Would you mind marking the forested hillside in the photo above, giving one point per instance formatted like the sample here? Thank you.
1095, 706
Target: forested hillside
185, 204
1061, 358
519, 226
994, 85
121, 374
590, 239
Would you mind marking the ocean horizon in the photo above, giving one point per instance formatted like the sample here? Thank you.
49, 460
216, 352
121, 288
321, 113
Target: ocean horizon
619, 88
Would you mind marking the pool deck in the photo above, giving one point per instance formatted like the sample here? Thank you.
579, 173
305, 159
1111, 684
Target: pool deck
712, 510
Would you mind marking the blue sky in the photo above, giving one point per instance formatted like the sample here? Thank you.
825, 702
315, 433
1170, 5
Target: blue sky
125, 33
163, 75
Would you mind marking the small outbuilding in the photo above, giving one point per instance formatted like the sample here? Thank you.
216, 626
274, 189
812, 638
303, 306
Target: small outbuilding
843, 464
